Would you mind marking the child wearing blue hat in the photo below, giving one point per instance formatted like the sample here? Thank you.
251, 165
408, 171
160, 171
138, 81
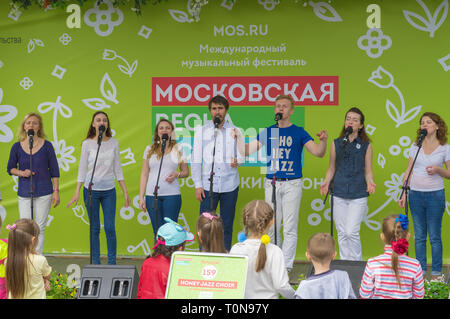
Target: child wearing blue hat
171, 237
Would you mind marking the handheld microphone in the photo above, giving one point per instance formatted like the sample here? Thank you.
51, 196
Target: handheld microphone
164, 139
30, 134
101, 130
422, 135
348, 131
278, 117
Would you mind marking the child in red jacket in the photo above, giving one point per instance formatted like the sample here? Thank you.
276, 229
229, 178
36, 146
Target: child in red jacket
171, 237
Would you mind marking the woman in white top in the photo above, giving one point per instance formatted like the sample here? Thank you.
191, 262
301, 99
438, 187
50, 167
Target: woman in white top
266, 272
427, 197
107, 170
168, 192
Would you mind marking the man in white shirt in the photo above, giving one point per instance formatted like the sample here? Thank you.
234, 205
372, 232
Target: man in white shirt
215, 156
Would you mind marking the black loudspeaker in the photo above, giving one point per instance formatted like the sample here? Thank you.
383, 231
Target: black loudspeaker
108, 282
355, 270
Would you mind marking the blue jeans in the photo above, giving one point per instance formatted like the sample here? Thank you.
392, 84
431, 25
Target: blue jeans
107, 199
427, 210
168, 206
227, 211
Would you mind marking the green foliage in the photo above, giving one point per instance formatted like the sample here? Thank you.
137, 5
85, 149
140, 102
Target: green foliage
59, 289
437, 289
24, 4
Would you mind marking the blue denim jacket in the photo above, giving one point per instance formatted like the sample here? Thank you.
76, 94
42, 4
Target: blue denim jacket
350, 181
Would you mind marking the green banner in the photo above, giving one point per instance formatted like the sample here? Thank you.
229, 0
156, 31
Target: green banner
391, 59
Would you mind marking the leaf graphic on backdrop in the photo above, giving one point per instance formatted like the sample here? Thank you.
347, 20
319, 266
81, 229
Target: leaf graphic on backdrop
179, 16
432, 22
447, 207
321, 8
133, 67
128, 69
393, 112
108, 89
30, 46
410, 15
96, 104
412, 113
381, 160
444, 8
39, 42
32, 43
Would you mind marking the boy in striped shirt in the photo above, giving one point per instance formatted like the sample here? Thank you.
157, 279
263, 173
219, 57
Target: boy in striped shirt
393, 274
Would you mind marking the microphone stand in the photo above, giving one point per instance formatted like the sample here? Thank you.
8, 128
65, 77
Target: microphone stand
274, 197
331, 186
406, 188
99, 142
155, 205
211, 174
30, 137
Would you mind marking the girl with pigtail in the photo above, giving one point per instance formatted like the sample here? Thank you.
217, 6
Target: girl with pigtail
393, 274
267, 276
210, 233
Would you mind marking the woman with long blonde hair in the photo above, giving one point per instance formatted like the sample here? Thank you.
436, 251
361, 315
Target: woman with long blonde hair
174, 166
45, 174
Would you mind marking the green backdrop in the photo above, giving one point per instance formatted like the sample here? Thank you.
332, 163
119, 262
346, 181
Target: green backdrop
116, 59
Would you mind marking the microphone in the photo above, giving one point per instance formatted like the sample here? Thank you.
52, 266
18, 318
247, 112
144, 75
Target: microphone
164, 139
348, 131
422, 135
216, 122
278, 117
30, 134
101, 130
216, 125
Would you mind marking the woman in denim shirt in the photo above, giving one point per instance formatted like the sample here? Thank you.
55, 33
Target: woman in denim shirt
352, 183
427, 197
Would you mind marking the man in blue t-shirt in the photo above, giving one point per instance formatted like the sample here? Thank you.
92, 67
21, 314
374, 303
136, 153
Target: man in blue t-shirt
284, 145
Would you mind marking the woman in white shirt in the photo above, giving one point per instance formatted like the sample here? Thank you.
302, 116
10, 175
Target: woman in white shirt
107, 170
168, 192
427, 197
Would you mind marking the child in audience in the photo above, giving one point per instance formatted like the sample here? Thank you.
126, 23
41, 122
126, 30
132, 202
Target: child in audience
325, 283
210, 233
3, 255
171, 237
393, 274
266, 275
27, 272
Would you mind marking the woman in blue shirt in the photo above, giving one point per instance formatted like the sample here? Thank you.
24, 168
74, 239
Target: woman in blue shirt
353, 181
45, 173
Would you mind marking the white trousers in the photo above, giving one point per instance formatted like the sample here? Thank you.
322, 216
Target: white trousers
288, 196
41, 208
348, 214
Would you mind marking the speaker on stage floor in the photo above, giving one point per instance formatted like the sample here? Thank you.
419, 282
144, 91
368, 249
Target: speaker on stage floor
108, 282
355, 270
